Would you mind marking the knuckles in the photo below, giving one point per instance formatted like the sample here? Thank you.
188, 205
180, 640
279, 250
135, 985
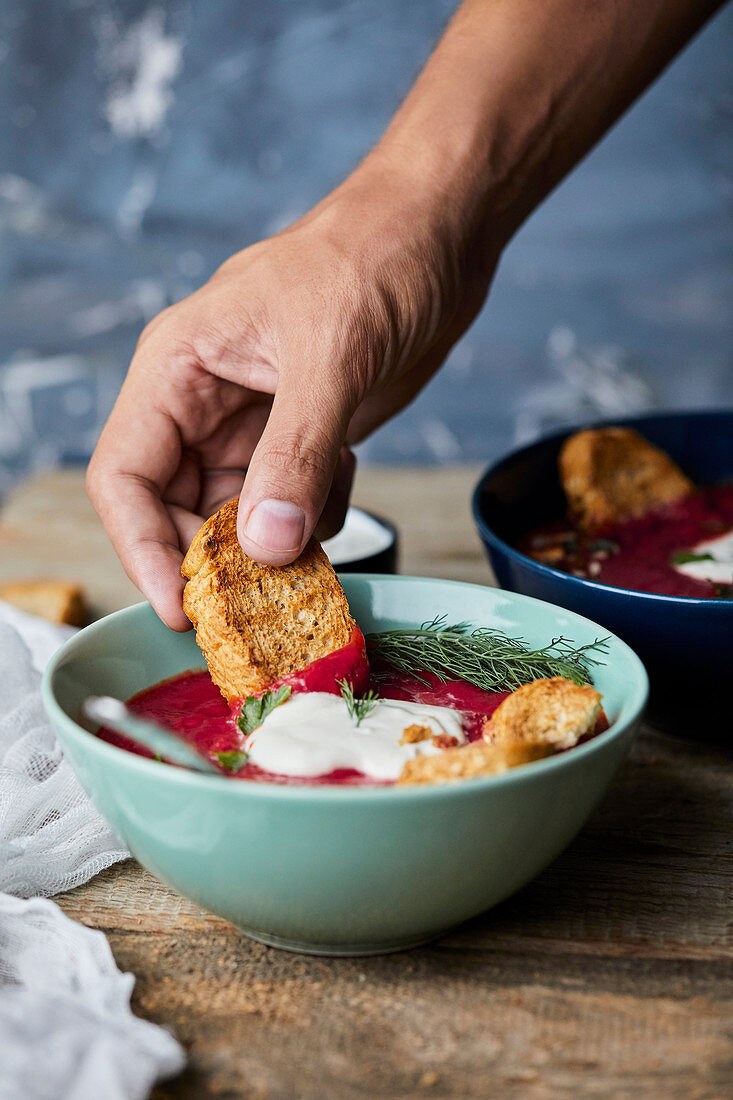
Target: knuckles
348, 314
298, 457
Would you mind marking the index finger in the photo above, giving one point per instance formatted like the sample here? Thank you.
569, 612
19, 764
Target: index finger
135, 459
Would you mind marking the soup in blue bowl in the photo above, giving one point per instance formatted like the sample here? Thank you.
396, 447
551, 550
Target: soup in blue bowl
685, 642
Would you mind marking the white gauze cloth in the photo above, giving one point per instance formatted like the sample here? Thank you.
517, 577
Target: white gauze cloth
66, 1029
51, 837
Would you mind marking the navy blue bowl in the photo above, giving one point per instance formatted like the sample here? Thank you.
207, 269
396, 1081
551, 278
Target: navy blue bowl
686, 644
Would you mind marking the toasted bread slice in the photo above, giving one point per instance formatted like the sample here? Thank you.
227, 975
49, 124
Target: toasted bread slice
554, 713
611, 474
469, 761
60, 602
257, 623
535, 721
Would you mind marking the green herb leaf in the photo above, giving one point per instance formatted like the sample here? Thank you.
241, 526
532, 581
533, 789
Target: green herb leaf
233, 760
158, 757
255, 708
357, 708
482, 656
685, 556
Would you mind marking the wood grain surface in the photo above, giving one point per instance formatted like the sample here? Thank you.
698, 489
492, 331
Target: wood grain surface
608, 976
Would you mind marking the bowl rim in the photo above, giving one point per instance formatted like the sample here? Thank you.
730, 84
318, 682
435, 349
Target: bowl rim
717, 604
634, 708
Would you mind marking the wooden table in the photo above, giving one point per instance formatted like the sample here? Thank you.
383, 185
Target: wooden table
608, 976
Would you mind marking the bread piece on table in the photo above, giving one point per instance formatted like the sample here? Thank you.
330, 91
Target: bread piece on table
60, 602
611, 474
469, 761
257, 623
555, 713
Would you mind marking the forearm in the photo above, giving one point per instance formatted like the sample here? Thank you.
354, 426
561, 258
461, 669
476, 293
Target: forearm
517, 92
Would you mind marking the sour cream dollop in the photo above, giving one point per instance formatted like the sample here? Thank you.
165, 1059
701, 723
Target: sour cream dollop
718, 568
313, 734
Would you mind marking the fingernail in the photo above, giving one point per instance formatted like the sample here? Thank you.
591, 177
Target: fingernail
276, 525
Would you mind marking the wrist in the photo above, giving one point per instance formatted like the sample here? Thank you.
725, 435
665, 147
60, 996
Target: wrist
402, 196
445, 177
401, 257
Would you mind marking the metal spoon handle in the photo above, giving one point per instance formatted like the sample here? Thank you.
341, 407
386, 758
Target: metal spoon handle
113, 713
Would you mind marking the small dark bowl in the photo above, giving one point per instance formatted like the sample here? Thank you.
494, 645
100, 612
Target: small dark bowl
686, 644
367, 543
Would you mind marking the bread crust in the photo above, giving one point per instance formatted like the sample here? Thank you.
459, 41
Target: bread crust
257, 623
57, 601
535, 721
612, 474
468, 762
553, 712
415, 733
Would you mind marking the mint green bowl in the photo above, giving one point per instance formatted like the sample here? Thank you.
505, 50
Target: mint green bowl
333, 870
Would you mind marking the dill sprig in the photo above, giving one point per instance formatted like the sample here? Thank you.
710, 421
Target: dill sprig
357, 708
482, 656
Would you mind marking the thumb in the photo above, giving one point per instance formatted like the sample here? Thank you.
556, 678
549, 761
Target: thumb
291, 471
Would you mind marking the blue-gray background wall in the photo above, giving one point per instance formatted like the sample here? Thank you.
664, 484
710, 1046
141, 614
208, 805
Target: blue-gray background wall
142, 143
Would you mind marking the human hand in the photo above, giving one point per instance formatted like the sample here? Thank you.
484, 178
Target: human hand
257, 383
